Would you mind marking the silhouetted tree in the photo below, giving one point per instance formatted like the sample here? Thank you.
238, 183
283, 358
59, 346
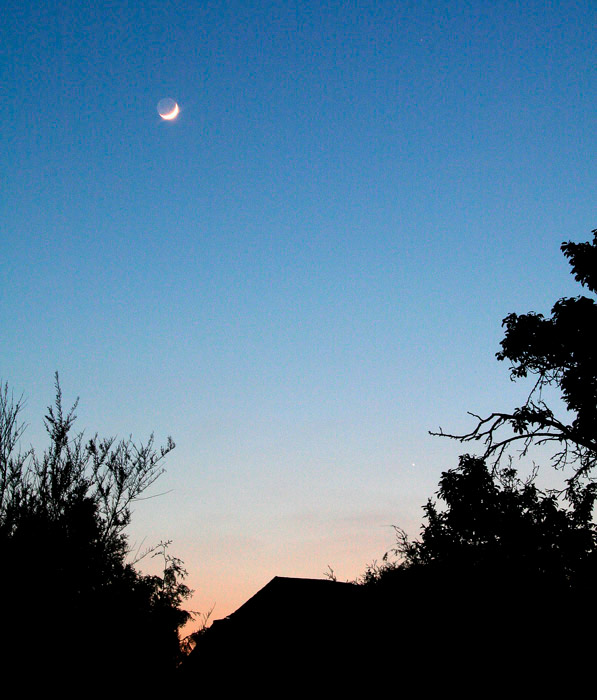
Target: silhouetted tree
560, 352
502, 575
494, 525
497, 589
72, 603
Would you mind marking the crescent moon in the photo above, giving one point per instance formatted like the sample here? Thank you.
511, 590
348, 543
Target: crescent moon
171, 115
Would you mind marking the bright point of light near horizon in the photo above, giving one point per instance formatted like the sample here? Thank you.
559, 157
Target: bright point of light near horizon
168, 109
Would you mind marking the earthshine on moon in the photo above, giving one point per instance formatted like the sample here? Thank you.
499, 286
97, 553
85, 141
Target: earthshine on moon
168, 109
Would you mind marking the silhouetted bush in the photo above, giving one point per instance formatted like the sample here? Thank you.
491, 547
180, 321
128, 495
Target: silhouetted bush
494, 590
73, 606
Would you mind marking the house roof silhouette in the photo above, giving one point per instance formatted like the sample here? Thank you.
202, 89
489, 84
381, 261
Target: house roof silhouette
290, 623
285, 598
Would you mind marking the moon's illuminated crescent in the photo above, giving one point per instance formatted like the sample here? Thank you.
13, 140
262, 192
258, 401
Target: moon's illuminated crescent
168, 109
171, 115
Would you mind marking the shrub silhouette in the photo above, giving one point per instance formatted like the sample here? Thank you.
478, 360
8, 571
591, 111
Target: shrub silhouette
73, 606
490, 594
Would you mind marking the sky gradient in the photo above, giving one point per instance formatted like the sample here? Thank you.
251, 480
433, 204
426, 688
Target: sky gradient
305, 271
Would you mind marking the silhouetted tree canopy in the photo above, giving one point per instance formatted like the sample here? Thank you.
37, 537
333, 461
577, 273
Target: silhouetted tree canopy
496, 591
495, 525
559, 351
73, 605
502, 574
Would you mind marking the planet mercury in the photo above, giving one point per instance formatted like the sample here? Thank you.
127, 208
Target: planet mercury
168, 109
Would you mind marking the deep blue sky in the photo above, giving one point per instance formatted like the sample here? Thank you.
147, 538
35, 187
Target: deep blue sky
305, 271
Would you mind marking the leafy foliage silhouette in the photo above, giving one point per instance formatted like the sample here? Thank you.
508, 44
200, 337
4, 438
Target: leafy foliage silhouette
559, 352
494, 590
73, 603
502, 569
493, 526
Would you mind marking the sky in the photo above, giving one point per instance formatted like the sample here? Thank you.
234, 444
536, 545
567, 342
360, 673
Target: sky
302, 274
